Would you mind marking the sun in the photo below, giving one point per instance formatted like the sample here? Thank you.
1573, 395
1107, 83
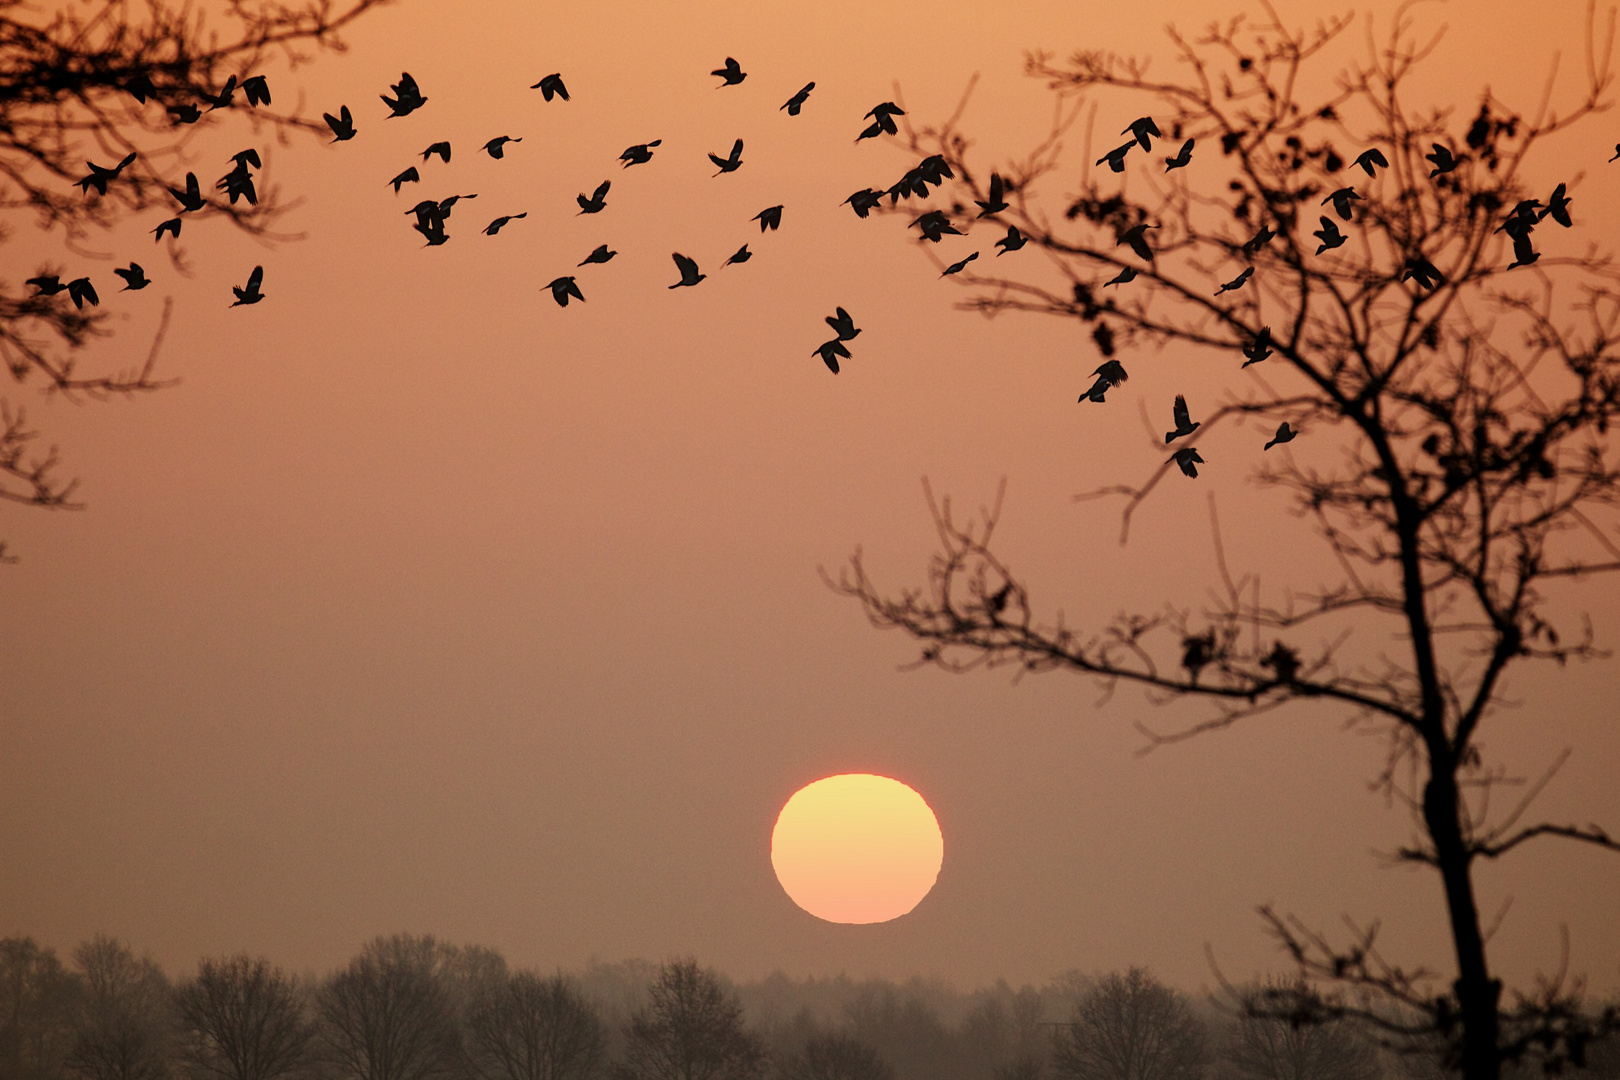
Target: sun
857, 848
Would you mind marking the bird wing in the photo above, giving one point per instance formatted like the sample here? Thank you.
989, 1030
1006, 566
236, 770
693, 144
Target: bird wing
601, 190
687, 267
1183, 418
736, 150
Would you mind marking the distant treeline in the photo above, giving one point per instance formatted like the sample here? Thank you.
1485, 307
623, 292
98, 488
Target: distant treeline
414, 1008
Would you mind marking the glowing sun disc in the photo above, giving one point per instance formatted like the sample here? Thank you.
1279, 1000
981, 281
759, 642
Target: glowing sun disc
857, 848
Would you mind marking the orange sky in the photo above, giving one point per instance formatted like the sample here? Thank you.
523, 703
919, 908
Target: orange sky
423, 604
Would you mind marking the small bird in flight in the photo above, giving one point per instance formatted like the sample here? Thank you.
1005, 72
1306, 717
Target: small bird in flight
1138, 242
1284, 434
1142, 129
882, 116
251, 294
1341, 201
843, 325
1011, 242
342, 125
1260, 348
1183, 156
495, 226
863, 201
600, 255
440, 148
830, 351
184, 113
222, 100
134, 277
1424, 272
1237, 282
1330, 236
639, 154
796, 102
594, 204
729, 164
1368, 158
1110, 374
1126, 274
1523, 253
741, 255
1557, 207
688, 269
496, 147
100, 175
409, 176
995, 204
1188, 460
1444, 160
1185, 424
172, 225
407, 97
552, 86
46, 284
732, 73
956, 267
769, 218
1116, 157
81, 291
256, 89
564, 287
191, 198
1258, 241
934, 225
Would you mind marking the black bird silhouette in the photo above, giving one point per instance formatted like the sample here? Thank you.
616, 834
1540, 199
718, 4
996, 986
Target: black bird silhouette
428, 213
1368, 158
882, 116
551, 86
829, 352
1443, 159
495, 226
407, 96
1116, 157
843, 325
1341, 201
934, 169
1260, 348
863, 201
594, 204
729, 164
1523, 218
884, 110
222, 100
732, 73
46, 284
995, 204
1259, 240
1424, 272
134, 277
688, 269
934, 225
497, 146
741, 255
184, 113
1183, 156
140, 86
600, 255
1188, 460
1284, 434
243, 158
441, 148
238, 183
81, 292
796, 102
1126, 274
1330, 236
1011, 242
639, 154
956, 267
1616, 154
256, 90
432, 229
564, 287
251, 294
1185, 424
172, 225
191, 198
1523, 253
409, 176
1138, 242
1237, 282
1557, 206
1110, 374
446, 204
100, 175
1142, 129
769, 218
342, 125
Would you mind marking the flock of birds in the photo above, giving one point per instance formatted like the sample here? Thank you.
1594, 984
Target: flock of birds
432, 215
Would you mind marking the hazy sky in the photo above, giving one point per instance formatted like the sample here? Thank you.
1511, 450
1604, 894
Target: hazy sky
423, 604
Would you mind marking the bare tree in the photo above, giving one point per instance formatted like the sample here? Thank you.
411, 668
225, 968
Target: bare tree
122, 1027
531, 1028
831, 1056
691, 1029
122, 81
1465, 400
386, 1015
1131, 1027
242, 1019
1271, 1048
36, 1008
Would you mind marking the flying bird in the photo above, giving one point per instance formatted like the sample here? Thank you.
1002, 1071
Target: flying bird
1368, 158
81, 291
1523, 218
729, 164
191, 198
243, 158
256, 89
1258, 241
1188, 460
1616, 154
830, 351
956, 267
843, 325
1444, 160
1183, 156
1330, 236
688, 269
251, 294
134, 277
594, 204
995, 204
1341, 201
1138, 242
639, 154
432, 229
564, 287
442, 149
732, 73
140, 86
172, 225
1284, 434
238, 183
887, 109
741, 255
184, 113
342, 125
1424, 272
1185, 424
1237, 282
495, 226
769, 218
1011, 242
600, 255
407, 96
1557, 207
796, 102
552, 86
1142, 129
49, 284
1110, 374
1126, 274
1260, 348
934, 225
409, 176
497, 146
1116, 157
863, 201
100, 175
1523, 253
222, 100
